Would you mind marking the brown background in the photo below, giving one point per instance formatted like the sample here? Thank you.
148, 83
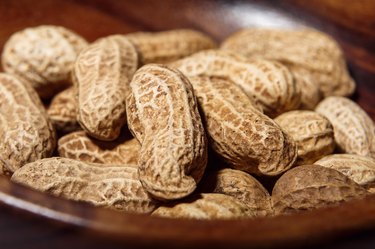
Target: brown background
352, 23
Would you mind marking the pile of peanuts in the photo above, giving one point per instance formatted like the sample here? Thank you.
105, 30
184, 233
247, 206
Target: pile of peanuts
173, 125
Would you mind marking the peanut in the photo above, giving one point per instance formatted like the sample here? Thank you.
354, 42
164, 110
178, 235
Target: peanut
354, 130
256, 76
360, 169
44, 56
102, 73
206, 207
163, 116
243, 187
268, 82
63, 111
247, 139
167, 46
311, 186
116, 187
79, 146
310, 92
316, 52
312, 132
26, 134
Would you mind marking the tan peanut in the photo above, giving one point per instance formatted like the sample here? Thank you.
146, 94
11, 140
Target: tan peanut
268, 82
311, 186
360, 169
314, 51
310, 91
243, 187
79, 146
44, 56
63, 111
354, 130
26, 134
163, 116
312, 132
116, 187
102, 73
167, 46
206, 207
247, 139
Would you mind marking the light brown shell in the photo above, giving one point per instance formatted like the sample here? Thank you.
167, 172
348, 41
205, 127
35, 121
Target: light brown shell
312, 132
26, 134
102, 73
314, 51
63, 111
116, 187
78, 145
206, 207
167, 46
241, 186
353, 128
247, 139
44, 56
360, 169
311, 186
310, 91
270, 83
163, 116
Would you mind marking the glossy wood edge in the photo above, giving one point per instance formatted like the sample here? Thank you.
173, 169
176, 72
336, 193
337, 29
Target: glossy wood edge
314, 226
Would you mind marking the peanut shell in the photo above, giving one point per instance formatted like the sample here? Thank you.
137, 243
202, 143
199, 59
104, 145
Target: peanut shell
116, 187
315, 52
310, 187
312, 132
167, 46
246, 138
354, 130
360, 169
63, 111
163, 116
26, 134
102, 73
310, 91
44, 56
79, 146
206, 207
243, 187
270, 83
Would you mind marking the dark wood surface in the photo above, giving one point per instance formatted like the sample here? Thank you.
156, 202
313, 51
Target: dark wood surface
29, 219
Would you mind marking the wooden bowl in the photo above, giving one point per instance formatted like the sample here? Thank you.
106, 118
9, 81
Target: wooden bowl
29, 219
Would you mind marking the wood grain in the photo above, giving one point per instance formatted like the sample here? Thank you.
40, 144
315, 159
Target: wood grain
33, 220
